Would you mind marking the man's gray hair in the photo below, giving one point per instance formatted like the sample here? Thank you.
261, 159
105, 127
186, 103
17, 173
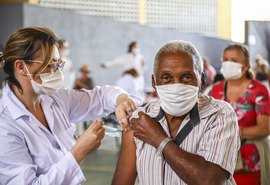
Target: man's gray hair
186, 47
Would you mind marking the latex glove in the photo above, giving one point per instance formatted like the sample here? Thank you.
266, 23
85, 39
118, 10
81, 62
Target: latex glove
89, 141
124, 109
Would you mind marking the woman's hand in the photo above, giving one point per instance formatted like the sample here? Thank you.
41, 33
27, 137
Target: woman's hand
89, 141
124, 109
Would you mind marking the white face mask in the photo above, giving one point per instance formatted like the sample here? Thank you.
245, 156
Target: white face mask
177, 99
136, 51
50, 82
231, 70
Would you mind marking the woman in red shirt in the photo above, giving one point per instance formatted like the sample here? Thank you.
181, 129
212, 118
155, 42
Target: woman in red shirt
251, 102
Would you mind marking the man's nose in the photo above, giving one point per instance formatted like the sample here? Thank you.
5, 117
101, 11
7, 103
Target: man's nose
176, 81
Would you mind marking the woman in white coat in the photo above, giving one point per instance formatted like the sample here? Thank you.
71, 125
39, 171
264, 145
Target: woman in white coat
37, 136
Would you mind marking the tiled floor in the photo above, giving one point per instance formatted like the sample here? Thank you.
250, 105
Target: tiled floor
99, 167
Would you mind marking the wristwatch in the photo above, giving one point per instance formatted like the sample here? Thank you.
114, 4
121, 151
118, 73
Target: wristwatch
159, 151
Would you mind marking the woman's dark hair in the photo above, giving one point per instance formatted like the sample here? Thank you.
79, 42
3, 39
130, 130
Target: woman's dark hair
27, 44
245, 52
133, 72
131, 45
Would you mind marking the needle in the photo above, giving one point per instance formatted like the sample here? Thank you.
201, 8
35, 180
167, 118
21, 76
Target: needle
111, 128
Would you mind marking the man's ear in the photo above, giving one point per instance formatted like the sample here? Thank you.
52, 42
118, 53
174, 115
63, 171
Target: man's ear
203, 82
153, 82
19, 67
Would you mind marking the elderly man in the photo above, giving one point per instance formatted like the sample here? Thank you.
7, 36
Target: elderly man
185, 137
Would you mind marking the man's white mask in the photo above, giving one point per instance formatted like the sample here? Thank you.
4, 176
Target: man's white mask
177, 99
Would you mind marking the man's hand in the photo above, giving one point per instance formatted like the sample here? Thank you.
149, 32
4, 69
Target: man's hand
124, 109
147, 130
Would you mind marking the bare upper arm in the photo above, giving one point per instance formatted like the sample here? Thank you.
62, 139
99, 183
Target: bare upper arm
125, 172
264, 122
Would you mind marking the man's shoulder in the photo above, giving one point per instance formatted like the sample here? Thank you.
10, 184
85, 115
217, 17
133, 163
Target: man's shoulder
208, 105
152, 109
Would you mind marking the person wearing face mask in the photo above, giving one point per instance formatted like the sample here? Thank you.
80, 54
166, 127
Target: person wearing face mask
251, 103
132, 59
68, 71
38, 139
184, 137
85, 80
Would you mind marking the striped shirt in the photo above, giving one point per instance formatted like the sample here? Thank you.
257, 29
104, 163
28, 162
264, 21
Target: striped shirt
216, 139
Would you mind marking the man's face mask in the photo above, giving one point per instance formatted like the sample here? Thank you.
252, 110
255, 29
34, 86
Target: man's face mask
231, 70
177, 99
50, 82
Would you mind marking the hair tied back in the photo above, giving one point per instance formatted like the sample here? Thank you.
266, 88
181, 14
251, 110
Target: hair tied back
2, 61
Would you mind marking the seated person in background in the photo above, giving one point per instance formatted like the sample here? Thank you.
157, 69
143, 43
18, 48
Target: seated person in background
84, 81
209, 71
250, 101
129, 81
219, 77
68, 70
159, 154
262, 70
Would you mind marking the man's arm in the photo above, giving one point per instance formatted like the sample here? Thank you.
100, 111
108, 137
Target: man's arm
118, 61
192, 168
125, 172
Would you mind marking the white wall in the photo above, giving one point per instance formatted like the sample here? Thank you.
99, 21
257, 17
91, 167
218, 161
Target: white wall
94, 40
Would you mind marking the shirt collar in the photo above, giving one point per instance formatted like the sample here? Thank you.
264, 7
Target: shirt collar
206, 106
15, 106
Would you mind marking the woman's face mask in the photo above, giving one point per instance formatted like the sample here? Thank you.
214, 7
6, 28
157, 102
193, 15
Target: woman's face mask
135, 51
50, 82
177, 99
231, 70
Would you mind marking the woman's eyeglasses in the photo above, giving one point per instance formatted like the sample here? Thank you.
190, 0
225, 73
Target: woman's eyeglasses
53, 65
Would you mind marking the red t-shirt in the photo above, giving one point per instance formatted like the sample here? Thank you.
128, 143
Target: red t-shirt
254, 101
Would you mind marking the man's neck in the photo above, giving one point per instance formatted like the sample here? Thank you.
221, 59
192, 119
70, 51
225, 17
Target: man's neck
174, 123
171, 118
